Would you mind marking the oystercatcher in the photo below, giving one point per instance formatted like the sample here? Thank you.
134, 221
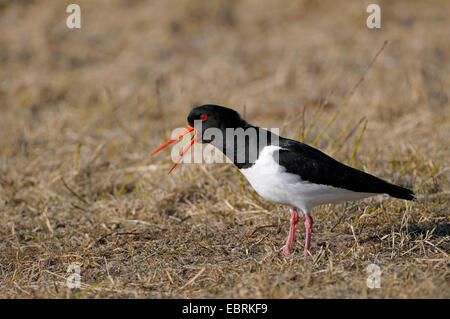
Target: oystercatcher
282, 170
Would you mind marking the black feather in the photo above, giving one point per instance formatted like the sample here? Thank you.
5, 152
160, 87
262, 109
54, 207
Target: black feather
315, 166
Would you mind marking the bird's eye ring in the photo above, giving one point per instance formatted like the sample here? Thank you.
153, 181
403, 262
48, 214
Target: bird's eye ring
203, 117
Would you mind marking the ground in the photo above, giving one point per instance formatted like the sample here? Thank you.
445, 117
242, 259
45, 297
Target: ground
82, 109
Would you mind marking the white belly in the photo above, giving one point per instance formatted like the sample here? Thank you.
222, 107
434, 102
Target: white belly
273, 183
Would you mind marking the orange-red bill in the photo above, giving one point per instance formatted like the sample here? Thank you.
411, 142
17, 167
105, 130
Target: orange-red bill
193, 139
177, 137
186, 130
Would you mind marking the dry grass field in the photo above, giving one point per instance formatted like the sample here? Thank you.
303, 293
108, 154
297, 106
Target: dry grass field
82, 109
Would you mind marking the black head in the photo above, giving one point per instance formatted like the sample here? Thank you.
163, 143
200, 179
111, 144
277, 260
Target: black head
210, 123
211, 116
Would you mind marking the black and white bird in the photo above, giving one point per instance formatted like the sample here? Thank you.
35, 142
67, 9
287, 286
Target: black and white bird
282, 170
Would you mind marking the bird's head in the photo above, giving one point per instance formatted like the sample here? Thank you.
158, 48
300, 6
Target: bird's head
211, 120
208, 123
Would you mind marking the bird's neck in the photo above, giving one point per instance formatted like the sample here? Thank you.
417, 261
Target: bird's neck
242, 145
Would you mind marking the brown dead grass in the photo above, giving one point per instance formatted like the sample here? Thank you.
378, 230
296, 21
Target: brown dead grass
81, 110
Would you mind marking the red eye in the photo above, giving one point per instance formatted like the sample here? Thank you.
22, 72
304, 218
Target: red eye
203, 117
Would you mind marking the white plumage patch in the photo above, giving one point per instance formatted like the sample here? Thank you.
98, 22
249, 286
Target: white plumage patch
271, 181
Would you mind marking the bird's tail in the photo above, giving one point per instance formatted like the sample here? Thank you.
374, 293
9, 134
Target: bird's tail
400, 192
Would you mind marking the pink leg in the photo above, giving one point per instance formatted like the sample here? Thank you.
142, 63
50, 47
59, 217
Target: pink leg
290, 239
308, 226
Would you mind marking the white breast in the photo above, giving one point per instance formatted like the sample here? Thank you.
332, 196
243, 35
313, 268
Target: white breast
271, 181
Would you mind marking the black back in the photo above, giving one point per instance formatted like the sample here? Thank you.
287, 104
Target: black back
315, 166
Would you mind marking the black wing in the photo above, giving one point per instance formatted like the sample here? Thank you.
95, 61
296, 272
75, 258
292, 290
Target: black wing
315, 166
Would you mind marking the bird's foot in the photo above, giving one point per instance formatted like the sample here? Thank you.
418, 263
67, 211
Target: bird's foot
286, 252
308, 226
290, 239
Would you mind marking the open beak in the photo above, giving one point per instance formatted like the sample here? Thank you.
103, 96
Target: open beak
186, 130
